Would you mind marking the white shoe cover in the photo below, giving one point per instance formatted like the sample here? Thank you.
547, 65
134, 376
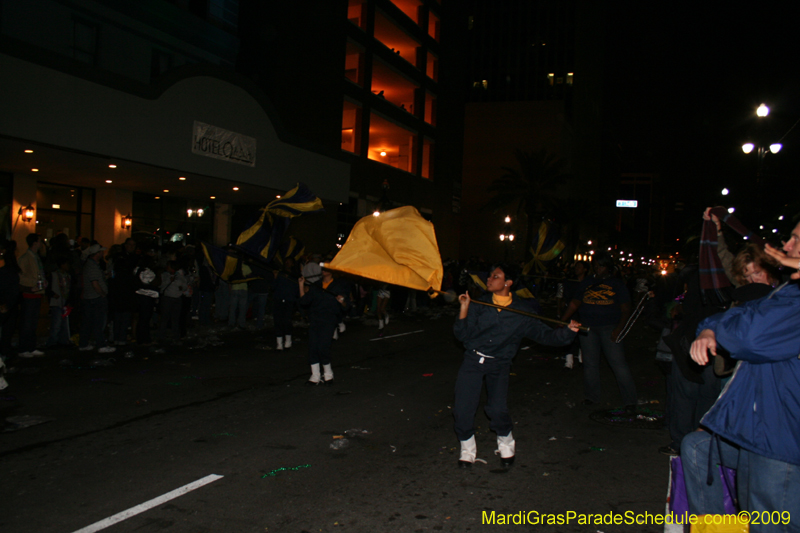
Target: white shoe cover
469, 450
506, 446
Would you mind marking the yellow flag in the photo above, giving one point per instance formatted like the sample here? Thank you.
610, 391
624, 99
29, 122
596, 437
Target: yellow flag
397, 247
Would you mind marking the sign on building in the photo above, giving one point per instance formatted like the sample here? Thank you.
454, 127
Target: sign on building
218, 143
627, 203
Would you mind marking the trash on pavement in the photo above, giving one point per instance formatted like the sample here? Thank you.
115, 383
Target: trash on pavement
339, 444
284, 469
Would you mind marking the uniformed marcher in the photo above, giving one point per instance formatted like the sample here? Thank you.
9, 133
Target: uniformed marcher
491, 339
326, 300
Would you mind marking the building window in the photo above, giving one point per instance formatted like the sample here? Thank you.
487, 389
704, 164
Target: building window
84, 42
357, 13
391, 144
395, 88
64, 209
550, 79
410, 8
225, 11
354, 63
397, 40
570, 77
430, 108
427, 158
351, 127
432, 67
160, 219
434, 24
160, 62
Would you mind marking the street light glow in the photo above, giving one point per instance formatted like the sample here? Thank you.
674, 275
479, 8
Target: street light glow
731, 209
775, 147
725, 192
748, 147
507, 220
762, 110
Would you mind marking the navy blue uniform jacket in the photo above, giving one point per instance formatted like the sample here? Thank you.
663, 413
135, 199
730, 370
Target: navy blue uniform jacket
499, 333
323, 308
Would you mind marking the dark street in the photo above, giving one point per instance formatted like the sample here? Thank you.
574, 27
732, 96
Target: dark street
123, 435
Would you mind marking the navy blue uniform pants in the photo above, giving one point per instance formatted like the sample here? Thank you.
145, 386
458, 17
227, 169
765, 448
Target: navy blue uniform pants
469, 384
320, 340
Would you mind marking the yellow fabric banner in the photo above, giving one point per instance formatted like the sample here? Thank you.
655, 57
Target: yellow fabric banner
397, 247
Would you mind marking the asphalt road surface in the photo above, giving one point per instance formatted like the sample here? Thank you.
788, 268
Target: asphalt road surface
224, 436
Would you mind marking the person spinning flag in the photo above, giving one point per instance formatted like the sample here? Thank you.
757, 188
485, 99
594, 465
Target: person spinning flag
491, 339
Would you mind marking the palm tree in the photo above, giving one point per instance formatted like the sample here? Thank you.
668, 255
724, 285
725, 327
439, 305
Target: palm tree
532, 189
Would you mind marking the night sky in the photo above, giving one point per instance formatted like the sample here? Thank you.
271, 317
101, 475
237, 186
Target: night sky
684, 85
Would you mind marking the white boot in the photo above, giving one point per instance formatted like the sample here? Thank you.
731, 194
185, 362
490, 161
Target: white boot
336, 334
315, 379
506, 447
469, 451
288, 343
570, 361
386, 319
328, 373
342, 327
280, 344
380, 323
580, 356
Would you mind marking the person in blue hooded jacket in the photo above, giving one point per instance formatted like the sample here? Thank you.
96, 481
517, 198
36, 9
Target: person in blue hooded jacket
755, 424
491, 339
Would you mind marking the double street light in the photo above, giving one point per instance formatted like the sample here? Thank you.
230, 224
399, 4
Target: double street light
507, 236
762, 149
761, 112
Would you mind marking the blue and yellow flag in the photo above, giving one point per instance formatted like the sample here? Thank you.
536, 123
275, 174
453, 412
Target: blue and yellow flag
290, 248
263, 239
545, 247
228, 265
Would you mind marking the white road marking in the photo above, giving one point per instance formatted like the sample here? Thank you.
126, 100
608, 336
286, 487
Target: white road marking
142, 507
398, 335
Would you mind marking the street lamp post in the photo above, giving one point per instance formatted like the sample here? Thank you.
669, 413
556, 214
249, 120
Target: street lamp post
761, 149
507, 236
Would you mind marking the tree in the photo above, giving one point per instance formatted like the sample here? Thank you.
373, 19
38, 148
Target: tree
533, 189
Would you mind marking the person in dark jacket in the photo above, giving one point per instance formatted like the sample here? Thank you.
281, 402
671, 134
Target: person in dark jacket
605, 306
284, 302
755, 424
326, 301
258, 291
491, 339
9, 295
122, 290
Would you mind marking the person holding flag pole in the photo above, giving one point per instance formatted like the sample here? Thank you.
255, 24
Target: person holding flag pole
491, 338
399, 247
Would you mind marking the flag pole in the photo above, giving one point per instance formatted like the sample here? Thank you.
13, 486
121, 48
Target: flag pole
540, 317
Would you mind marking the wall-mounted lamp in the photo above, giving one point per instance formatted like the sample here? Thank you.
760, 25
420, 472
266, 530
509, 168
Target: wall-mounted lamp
27, 213
127, 222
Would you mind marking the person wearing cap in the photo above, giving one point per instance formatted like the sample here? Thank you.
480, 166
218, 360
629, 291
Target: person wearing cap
326, 300
95, 303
